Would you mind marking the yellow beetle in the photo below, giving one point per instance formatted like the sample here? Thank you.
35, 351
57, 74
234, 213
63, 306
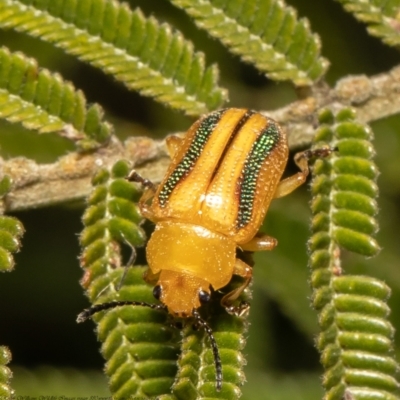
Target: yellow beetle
213, 199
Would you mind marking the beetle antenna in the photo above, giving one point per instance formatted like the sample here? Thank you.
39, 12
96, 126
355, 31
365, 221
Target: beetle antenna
214, 347
89, 312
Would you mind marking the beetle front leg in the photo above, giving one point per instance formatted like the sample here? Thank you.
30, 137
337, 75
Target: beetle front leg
246, 272
148, 193
287, 185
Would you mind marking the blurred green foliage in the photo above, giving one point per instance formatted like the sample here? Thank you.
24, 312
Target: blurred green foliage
41, 298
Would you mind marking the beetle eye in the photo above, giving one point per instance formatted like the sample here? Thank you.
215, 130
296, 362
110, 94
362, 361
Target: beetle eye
204, 296
157, 292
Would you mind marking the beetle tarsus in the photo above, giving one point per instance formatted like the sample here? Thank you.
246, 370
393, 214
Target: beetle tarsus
320, 152
239, 311
135, 177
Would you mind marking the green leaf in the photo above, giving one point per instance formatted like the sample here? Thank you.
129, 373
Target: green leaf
140, 347
356, 339
5, 185
381, 16
11, 231
5, 373
264, 33
344, 188
140, 52
111, 219
43, 101
356, 241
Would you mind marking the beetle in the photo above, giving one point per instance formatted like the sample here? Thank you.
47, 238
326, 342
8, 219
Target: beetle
223, 175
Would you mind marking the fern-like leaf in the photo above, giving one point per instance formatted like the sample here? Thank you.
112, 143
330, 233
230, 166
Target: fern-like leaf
345, 191
264, 33
356, 340
138, 51
6, 391
140, 349
382, 17
41, 100
11, 231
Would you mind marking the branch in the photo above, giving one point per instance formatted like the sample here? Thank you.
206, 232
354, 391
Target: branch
372, 98
69, 178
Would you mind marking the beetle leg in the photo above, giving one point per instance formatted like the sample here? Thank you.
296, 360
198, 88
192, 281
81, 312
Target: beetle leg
246, 272
149, 277
260, 243
173, 144
144, 207
135, 177
148, 193
287, 185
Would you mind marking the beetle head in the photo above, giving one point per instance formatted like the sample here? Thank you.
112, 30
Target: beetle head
181, 292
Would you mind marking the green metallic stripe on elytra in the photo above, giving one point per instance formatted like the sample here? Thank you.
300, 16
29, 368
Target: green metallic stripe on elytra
234, 132
188, 161
262, 147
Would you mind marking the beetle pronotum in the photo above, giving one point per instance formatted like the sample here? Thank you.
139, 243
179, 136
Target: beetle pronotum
213, 199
